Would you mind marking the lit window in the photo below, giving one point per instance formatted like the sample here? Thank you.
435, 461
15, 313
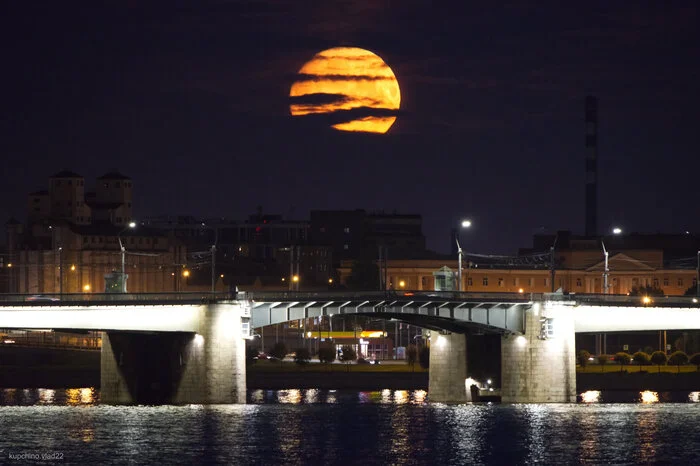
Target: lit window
665, 281
500, 282
485, 281
680, 282
469, 281
346, 247
346, 230
579, 283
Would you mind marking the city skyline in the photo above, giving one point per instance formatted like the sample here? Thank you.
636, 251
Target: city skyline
192, 104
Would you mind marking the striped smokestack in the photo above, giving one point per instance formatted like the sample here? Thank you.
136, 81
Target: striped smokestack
591, 166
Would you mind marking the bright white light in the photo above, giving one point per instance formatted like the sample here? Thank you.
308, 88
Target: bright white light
649, 397
441, 341
132, 224
695, 300
466, 223
617, 231
198, 339
488, 381
468, 382
591, 396
521, 340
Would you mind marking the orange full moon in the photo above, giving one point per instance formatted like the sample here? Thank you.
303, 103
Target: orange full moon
353, 87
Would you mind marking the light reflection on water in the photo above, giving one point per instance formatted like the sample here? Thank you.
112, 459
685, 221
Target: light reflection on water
347, 427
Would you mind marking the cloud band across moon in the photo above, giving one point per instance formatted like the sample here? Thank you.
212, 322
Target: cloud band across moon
353, 88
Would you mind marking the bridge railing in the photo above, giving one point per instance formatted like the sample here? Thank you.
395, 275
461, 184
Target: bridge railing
381, 295
685, 301
58, 298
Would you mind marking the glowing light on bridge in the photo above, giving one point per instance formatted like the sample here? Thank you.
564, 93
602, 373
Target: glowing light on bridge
441, 341
198, 339
521, 340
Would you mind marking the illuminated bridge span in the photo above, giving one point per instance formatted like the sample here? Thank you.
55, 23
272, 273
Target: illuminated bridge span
190, 348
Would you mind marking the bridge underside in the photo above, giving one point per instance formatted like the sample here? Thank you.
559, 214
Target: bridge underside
455, 316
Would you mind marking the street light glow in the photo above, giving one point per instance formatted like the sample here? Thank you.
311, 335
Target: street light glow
186, 273
402, 284
86, 288
132, 224
295, 278
466, 223
617, 231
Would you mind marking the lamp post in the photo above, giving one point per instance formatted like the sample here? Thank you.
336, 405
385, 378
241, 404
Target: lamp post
465, 224
131, 225
697, 277
213, 255
605, 270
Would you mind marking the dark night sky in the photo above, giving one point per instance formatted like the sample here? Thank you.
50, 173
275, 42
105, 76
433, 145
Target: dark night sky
190, 100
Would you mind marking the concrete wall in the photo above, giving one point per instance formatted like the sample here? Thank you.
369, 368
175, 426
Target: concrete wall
206, 367
448, 368
535, 370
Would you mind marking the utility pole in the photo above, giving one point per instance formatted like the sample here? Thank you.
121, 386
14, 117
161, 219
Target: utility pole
213, 260
606, 270
459, 266
552, 272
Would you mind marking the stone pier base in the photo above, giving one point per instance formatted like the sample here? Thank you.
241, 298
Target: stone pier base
448, 368
540, 366
206, 367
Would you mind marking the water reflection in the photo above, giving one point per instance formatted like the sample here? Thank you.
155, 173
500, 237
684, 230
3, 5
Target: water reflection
46, 396
591, 396
289, 396
646, 432
648, 396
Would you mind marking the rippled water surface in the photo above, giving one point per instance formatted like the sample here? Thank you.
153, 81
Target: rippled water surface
329, 427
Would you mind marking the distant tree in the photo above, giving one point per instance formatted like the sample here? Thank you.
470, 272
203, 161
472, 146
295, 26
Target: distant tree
327, 354
695, 360
582, 357
364, 275
648, 350
641, 358
251, 355
424, 357
412, 356
646, 290
302, 356
622, 359
659, 358
678, 359
691, 291
603, 360
279, 350
348, 356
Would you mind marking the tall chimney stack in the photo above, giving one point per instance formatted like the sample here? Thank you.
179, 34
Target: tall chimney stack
591, 166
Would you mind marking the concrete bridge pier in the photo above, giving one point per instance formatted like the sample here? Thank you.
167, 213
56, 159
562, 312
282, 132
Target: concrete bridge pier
448, 368
206, 367
540, 366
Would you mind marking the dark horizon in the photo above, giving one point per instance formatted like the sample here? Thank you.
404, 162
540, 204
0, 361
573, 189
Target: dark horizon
192, 103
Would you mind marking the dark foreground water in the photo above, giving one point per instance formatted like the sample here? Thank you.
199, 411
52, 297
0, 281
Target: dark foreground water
329, 427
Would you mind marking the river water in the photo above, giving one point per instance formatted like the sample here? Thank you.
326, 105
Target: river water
347, 427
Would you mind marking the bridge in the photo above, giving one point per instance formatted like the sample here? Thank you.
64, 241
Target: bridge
190, 347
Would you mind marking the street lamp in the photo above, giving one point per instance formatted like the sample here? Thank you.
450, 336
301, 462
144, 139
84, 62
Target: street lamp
617, 231
213, 255
465, 224
606, 270
131, 225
